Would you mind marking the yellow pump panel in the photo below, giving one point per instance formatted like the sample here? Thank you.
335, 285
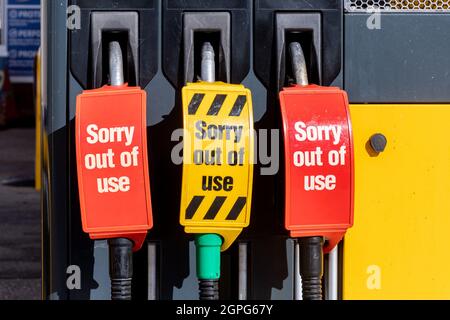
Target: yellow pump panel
397, 248
218, 159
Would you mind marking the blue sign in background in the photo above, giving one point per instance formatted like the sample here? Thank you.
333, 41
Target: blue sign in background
23, 38
24, 2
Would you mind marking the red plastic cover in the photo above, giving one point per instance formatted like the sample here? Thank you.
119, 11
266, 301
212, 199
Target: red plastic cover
113, 179
319, 162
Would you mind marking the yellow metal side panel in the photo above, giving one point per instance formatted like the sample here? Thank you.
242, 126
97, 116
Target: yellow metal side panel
398, 247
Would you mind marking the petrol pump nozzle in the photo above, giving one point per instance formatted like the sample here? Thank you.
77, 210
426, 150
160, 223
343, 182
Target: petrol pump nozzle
311, 248
114, 196
208, 245
120, 249
216, 192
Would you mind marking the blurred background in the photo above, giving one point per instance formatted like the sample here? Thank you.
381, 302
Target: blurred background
20, 242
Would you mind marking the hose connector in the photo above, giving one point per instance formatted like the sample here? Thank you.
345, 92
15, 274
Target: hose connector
208, 265
120, 268
311, 267
208, 289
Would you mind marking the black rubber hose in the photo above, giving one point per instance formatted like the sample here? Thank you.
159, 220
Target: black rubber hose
120, 268
311, 267
209, 289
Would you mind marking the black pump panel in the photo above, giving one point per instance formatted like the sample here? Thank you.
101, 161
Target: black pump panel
134, 23
274, 19
121, 27
179, 17
214, 27
304, 28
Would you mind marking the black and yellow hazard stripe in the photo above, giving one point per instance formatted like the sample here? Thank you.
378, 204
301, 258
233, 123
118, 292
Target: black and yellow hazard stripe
215, 207
217, 104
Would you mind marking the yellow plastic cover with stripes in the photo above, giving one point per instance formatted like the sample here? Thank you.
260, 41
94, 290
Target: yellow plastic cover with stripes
217, 159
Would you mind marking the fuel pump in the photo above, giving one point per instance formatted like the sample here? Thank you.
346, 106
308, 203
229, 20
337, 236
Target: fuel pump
217, 168
319, 170
112, 166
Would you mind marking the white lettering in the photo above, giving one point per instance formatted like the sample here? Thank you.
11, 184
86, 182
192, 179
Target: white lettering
317, 133
308, 158
110, 135
100, 160
320, 183
113, 185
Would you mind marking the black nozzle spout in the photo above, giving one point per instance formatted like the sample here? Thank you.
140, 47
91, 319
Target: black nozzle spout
120, 268
311, 267
209, 289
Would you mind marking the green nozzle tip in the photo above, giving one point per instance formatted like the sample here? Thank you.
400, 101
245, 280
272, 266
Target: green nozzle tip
208, 256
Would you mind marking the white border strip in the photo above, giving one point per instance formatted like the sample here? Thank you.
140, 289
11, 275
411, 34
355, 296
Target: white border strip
24, 6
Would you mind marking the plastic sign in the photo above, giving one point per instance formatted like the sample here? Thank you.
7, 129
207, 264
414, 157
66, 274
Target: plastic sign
319, 162
218, 159
112, 164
